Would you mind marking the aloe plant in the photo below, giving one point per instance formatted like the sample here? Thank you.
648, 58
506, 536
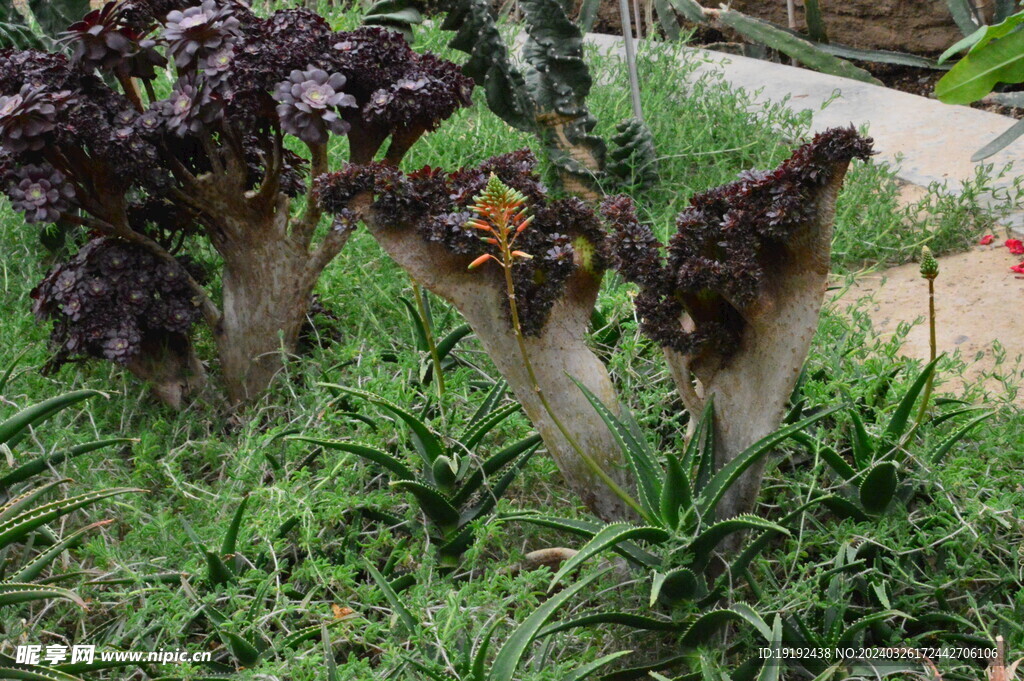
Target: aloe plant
677, 544
453, 483
38, 22
471, 659
875, 463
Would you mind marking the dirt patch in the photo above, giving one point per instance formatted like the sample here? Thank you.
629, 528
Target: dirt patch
976, 304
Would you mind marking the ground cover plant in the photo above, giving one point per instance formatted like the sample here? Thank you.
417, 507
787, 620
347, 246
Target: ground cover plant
291, 560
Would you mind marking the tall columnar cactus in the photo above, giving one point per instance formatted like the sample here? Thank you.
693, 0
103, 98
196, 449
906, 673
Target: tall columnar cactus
548, 95
735, 303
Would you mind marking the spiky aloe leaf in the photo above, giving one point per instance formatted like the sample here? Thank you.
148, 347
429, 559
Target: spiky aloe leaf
489, 404
963, 15
25, 499
490, 496
675, 586
16, 427
863, 449
706, 625
636, 451
626, 619
477, 430
937, 455
9, 371
40, 464
434, 504
16, 592
707, 540
587, 670
511, 653
878, 487
845, 508
792, 46
427, 442
492, 465
829, 455
393, 464
676, 496
585, 529
217, 571
1000, 142
34, 567
20, 672
20, 525
231, 536
609, 536
393, 599
730, 472
332, 666
896, 429
241, 648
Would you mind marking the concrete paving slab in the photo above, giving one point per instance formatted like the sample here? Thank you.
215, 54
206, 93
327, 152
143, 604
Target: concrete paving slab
934, 140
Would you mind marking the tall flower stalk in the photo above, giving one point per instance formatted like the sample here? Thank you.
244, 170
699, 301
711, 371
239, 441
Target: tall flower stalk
502, 215
929, 271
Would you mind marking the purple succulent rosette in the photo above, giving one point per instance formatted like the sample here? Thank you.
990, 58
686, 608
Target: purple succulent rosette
40, 192
196, 32
110, 297
101, 40
189, 109
306, 104
27, 116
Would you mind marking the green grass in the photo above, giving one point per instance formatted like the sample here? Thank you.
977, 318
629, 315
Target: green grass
198, 465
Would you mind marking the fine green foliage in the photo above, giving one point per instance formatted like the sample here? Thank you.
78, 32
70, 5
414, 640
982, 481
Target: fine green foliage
454, 485
41, 23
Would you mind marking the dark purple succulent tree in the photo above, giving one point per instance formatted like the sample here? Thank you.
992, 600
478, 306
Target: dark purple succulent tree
147, 174
734, 301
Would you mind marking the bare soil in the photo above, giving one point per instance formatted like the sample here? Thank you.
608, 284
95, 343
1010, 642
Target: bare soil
976, 304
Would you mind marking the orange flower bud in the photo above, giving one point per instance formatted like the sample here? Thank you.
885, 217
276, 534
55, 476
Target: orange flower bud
479, 261
489, 240
524, 224
520, 254
479, 224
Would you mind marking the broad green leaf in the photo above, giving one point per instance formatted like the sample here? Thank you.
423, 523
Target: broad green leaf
16, 427
394, 465
878, 487
974, 76
514, 649
611, 535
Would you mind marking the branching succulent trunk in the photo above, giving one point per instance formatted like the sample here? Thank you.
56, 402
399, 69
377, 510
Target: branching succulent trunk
751, 385
558, 353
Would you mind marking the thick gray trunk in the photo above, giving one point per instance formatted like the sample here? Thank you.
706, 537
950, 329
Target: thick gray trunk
558, 353
266, 290
751, 387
